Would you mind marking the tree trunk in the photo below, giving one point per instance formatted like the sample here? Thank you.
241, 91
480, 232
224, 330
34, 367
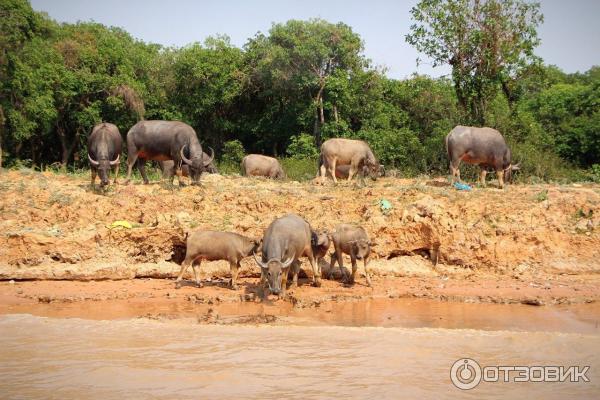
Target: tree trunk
67, 149
319, 116
33, 153
18, 148
335, 114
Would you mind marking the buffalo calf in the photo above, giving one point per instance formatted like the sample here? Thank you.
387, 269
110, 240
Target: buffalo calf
213, 246
354, 241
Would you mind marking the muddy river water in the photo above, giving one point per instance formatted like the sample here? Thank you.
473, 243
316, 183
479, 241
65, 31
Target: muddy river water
356, 350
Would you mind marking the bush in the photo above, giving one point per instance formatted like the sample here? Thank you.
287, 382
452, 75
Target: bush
396, 148
302, 146
233, 152
595, 173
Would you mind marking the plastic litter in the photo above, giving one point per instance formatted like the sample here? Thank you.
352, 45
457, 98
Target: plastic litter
385, 205
120, 224
462, 186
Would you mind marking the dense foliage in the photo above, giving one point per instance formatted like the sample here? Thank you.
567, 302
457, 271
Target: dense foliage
302, 82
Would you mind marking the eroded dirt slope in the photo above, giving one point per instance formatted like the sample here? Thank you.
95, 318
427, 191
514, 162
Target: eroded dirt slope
56, 227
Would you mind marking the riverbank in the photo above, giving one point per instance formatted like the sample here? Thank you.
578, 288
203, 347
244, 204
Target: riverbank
528, 244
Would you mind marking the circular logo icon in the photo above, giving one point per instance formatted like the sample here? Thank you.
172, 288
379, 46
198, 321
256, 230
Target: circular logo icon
465, 373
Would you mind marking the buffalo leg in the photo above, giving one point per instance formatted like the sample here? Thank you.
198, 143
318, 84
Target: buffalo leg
482, 175
295, 272
500, 174
366, 261
93, 178
332, 265
284, 277
340, 260
351, 172
455, 171
323, 171
354, 268
263, 285
141, 165
172, 173
316, 272
235, 268
131, 159
116, 170
196, 277
332, 166
184, 265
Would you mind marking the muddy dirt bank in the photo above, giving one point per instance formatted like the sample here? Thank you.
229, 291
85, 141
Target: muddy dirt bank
536, 244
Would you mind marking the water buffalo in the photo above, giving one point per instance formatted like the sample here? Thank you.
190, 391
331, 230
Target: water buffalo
354, 241
485, 147
259, 165
285, 240
355, 153
162, 141
104, 151
167, 167
320, 244
342, 172
215, 245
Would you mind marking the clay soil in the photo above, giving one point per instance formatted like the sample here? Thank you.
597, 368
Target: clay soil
530, 244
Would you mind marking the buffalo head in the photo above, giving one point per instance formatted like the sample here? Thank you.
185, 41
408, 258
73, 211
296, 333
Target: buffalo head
197, 164
103, 167
509, 170
272, 271
361, 248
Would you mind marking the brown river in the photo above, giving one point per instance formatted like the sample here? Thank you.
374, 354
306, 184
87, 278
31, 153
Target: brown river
380, 349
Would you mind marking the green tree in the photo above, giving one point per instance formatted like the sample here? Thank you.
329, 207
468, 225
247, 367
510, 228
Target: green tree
208, 80
486, 42
298, 58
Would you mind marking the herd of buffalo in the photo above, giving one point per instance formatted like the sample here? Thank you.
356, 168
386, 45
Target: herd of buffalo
176, 147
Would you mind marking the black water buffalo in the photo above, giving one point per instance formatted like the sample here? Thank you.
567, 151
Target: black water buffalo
167, 167
162, 141
285, 240
259, 165
355, 153
104, 152
485, 147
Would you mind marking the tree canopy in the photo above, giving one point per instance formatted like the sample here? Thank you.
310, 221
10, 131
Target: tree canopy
296, 85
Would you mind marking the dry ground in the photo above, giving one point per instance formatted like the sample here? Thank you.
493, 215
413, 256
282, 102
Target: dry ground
531, 244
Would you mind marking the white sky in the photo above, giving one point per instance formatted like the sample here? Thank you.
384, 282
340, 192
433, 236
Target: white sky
570, 34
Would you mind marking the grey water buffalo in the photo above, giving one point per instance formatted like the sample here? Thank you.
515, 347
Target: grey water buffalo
342, 172
104, 152
354, 241
259, 165
355, 153
216, 245
162, 141
167, 167
320, 244
285, 240
485, 147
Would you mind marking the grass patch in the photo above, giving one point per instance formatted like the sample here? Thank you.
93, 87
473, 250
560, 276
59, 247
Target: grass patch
542, 196
299, 169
